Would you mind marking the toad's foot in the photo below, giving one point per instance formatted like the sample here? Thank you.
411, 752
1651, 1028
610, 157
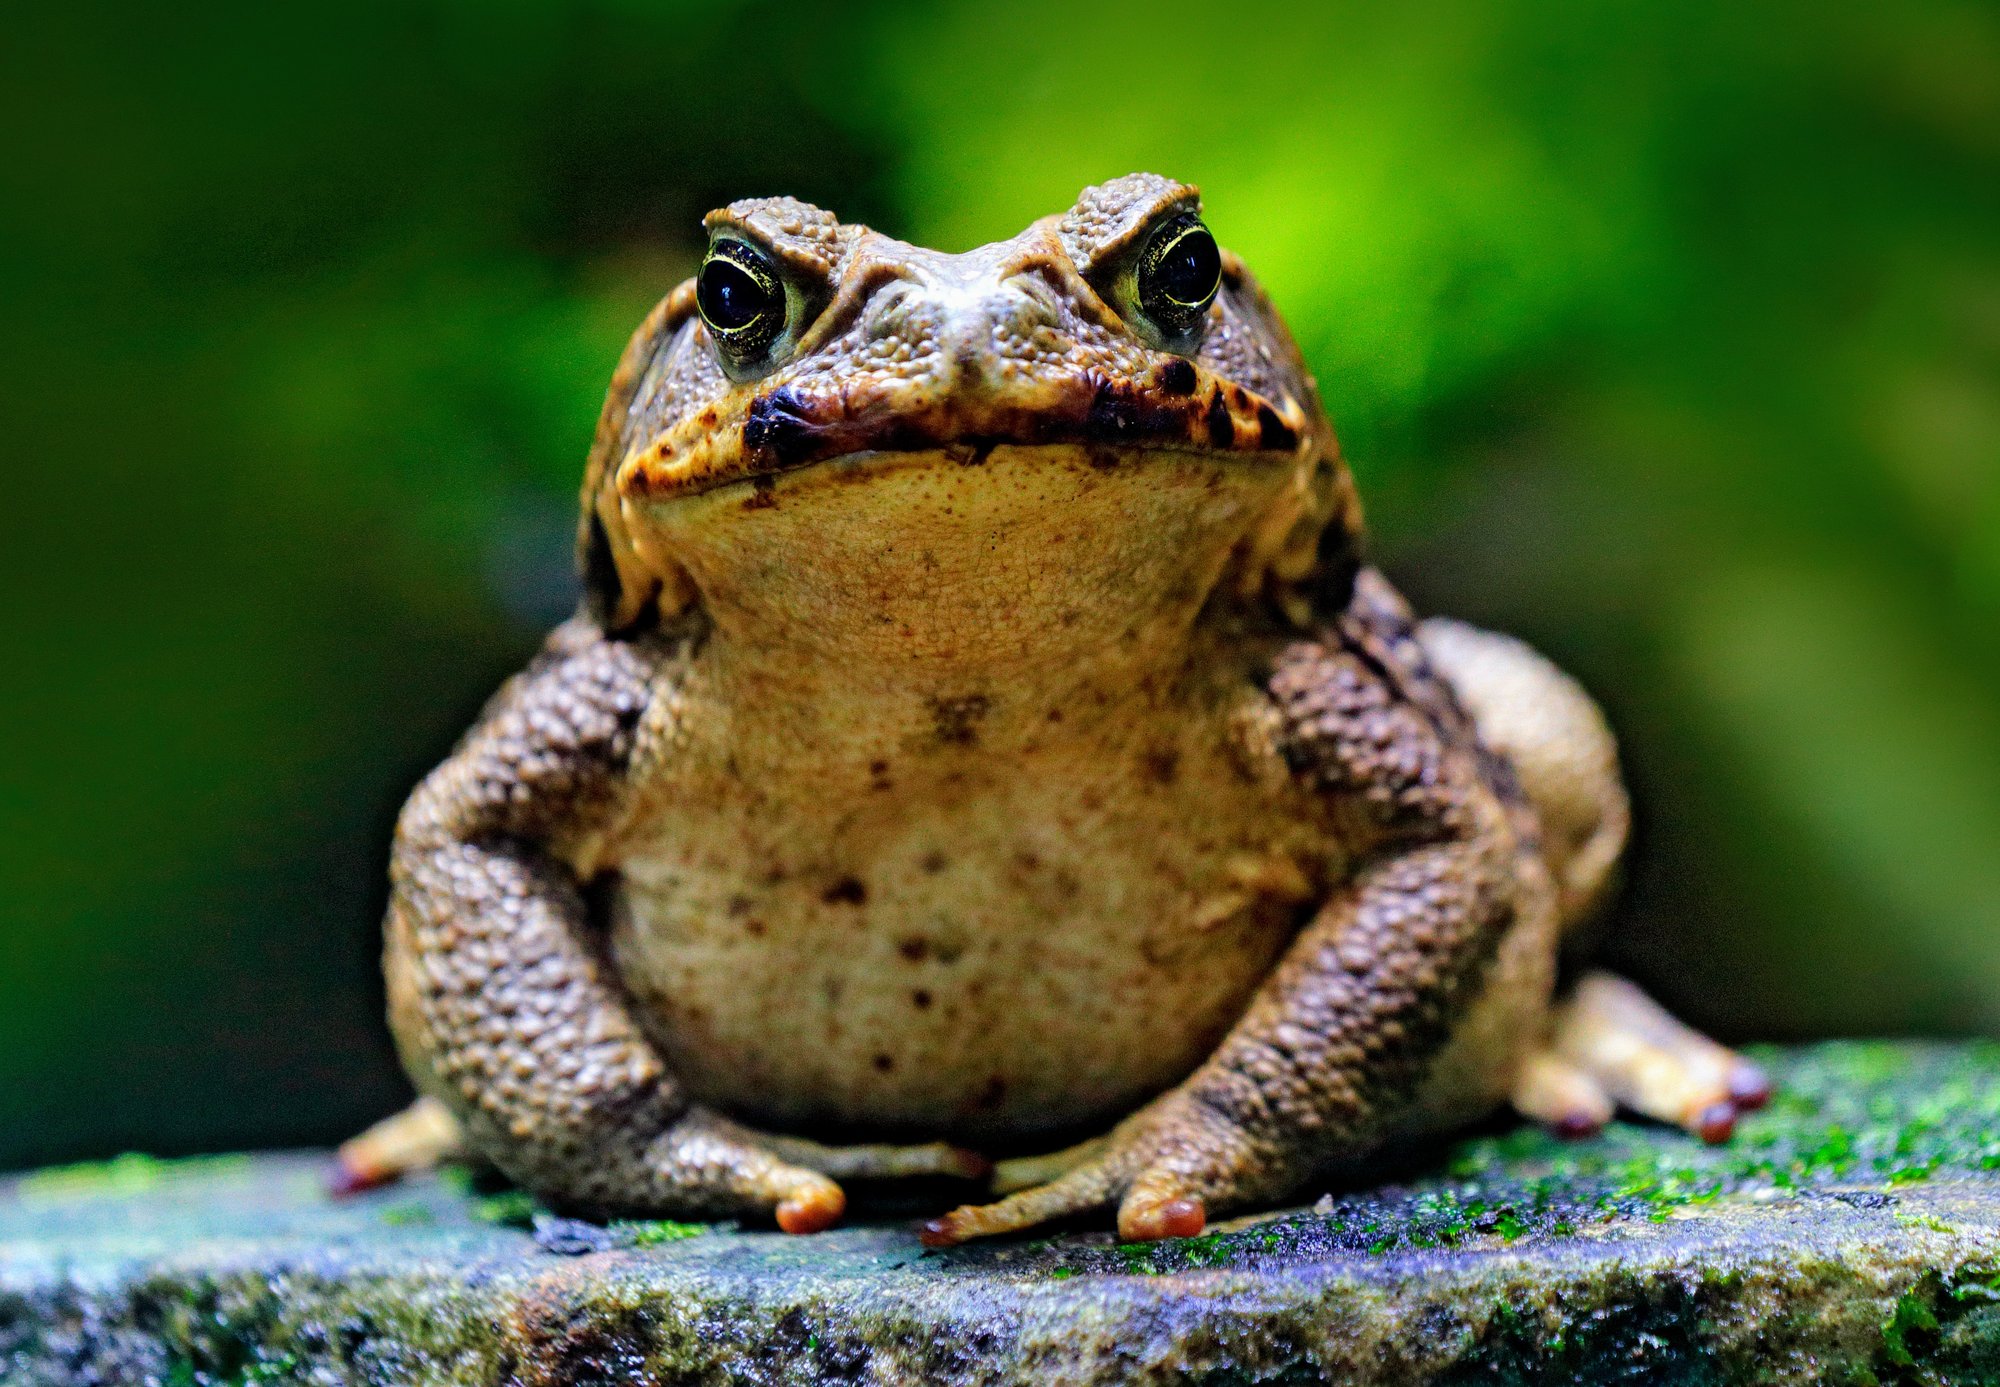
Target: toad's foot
1613, 1046
1152, 1166
415, 1139
800, 1173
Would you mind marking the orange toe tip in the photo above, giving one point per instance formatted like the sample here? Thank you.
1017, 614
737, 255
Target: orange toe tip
1749, 1087
939, 1232
350, 1177
1575, 1126
812, 1213
1716, 1123
1182, 1218
1177, 1218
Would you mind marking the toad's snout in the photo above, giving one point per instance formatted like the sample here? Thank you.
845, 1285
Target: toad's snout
967, 335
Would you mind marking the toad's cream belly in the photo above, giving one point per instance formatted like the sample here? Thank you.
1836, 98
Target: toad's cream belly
976, 954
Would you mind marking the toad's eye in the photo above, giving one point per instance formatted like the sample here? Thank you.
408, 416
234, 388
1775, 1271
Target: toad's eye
740, 298
1177, 275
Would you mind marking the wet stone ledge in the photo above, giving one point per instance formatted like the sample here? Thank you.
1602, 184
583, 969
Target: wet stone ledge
1849, 1234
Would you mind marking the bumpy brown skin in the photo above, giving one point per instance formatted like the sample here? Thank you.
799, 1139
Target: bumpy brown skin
1414, 991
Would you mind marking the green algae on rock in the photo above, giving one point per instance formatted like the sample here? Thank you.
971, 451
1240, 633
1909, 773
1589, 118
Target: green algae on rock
1849, 1234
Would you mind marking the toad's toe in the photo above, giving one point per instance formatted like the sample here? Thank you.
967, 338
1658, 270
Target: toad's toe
1147, 1216
813, 1208
1640, 1057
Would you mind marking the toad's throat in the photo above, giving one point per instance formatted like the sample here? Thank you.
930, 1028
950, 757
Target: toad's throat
1039, 566
1178, 406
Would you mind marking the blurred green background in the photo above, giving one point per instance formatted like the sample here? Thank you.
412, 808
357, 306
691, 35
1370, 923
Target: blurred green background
1664, 334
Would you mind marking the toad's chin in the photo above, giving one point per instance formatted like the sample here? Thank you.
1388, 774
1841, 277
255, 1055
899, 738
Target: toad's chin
967, 553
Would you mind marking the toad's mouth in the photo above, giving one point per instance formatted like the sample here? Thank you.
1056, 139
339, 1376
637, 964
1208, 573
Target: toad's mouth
1178, 406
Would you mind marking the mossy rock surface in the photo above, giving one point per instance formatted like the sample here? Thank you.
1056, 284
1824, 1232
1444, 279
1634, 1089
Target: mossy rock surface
1849, 1234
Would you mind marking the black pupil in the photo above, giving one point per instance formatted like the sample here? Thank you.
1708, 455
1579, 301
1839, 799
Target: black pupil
731, 297
1190, 267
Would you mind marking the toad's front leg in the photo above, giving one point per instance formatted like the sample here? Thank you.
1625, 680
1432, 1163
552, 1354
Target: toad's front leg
1339, 1040
503, 1007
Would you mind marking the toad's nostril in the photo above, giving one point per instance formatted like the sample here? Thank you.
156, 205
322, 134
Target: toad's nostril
904, 327
1025, 303
889, 312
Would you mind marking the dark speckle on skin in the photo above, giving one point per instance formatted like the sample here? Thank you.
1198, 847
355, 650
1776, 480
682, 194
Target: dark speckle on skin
1177, 377
956, 720
846, 891
1112, 413
916, 948
1221, 428
780, 427
1273, 433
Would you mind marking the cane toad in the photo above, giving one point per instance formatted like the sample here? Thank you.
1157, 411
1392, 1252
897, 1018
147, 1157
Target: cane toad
984, 731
